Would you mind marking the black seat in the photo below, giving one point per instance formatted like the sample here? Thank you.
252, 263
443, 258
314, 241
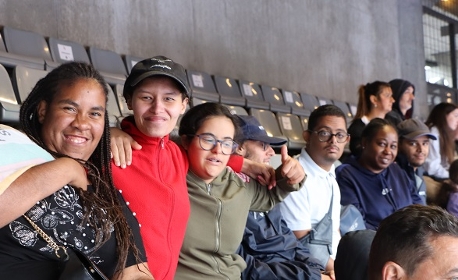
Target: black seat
64, 51
9, 107
310, 101
229, 91
275, 98
109, 64
291, 127
293, 99
253, 94
25, 48
202, 86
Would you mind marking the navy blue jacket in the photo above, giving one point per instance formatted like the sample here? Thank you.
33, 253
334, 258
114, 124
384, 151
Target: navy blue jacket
375, 195
414, 175
272, 251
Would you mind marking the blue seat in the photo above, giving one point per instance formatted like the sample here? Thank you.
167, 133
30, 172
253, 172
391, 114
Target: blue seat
229, 91
310, 101
24, 80
202, 86
25, 48
130, 61
9, 107
65, 51
291, 127
109, 64
293, 99
275, 98
269, 121
253, 94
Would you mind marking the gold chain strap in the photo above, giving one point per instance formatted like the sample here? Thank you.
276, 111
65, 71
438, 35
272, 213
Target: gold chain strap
47, 238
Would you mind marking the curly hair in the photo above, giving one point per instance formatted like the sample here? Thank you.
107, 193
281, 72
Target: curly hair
104, 201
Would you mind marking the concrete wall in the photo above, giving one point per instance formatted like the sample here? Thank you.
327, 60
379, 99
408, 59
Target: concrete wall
322, 47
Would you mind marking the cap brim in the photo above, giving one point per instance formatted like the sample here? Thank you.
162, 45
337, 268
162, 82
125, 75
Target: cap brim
273, 141
415, 135
157, 73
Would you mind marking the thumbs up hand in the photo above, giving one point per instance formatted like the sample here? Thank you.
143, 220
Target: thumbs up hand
291, 168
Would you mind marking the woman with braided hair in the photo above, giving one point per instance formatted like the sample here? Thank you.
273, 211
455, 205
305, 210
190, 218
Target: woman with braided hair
375, 100
77, 206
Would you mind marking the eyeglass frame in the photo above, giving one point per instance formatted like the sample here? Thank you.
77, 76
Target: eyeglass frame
330, 135
216, 141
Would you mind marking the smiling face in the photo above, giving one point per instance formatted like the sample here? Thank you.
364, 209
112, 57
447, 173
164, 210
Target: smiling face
157, 104
381, 151
254, 150
416, 150
73, 123
325, 153
209, 164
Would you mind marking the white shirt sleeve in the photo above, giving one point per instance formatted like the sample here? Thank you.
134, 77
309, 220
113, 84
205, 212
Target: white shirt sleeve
296, 210
433, 164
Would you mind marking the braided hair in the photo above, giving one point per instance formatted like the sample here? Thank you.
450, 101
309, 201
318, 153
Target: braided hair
103, 204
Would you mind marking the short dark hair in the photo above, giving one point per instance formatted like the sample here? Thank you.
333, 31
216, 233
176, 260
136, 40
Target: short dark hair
323, 111
373, 127
193, 119
404, 237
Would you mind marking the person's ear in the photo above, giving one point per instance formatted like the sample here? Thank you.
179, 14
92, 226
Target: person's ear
306, 135
184, 104
393, 271
42, 108
240, 150
373, 100
129, 103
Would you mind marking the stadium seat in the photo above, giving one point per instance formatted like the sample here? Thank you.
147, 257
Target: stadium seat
9, 107
130, 61
196, 101
324, 101
268, 121
117, 89
275, 98
353, 109
114, 115
202, 86
253, 94
236, 110
229, 91
24, 80
24, 48
310, 102
109, 64
345, 108
293, 99
65, 51
304, 122
291, 127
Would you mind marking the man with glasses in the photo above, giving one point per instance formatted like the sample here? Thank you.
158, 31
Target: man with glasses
313, 212
269, 247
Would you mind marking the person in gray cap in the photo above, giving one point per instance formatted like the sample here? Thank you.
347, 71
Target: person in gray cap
269, 247
414, 140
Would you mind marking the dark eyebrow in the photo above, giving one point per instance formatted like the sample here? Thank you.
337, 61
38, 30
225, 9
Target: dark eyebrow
73, 103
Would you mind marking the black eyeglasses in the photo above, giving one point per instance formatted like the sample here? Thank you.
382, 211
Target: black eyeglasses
325, 136
208, 142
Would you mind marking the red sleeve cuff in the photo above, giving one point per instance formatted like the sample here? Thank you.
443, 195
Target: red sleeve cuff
236, 162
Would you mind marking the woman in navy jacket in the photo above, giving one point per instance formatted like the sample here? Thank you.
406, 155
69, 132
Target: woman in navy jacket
373, 183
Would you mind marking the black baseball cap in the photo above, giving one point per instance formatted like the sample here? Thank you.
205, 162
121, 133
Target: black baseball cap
253, 130
157, 65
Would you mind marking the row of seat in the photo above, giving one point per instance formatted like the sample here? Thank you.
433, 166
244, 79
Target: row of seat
25, 57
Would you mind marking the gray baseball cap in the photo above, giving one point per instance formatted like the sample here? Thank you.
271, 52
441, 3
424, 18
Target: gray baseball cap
414, 128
